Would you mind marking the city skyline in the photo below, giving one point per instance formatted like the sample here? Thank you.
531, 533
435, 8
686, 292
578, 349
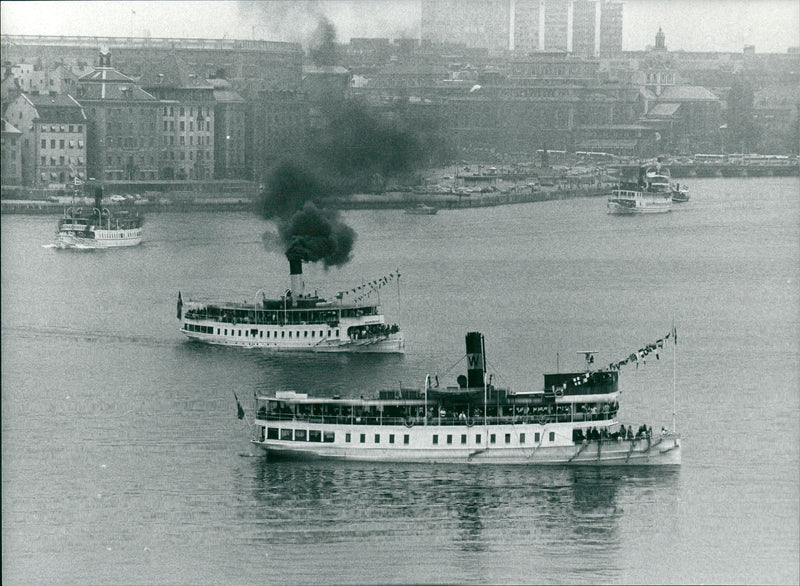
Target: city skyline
772, 26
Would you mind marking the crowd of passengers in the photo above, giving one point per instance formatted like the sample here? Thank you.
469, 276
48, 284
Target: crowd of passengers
392, 415
264, 317
594, 434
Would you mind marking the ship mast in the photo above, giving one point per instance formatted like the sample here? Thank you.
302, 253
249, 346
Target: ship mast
674, 344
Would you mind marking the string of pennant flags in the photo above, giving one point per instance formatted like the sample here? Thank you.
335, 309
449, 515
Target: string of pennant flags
367, 289
634, 357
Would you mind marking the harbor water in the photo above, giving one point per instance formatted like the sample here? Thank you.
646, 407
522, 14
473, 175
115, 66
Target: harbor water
123, 461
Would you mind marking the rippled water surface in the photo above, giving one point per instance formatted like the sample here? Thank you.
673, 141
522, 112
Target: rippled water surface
123, 460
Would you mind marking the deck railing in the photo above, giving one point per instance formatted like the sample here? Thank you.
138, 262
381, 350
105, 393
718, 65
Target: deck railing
541, 418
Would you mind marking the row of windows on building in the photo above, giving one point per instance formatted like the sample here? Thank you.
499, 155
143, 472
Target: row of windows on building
182, 140
170, 111
252, 334
169, 125
62, 160
61, 128
181, 156
63, 143
302, 435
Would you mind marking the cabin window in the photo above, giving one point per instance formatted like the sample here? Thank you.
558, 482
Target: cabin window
315, 435
328, 437
218, 331
286, 434
477, 438
508, 438
435, 439
290, 334
347, 438
552, 436
260, 334
363, 438
463, 439
536, 437
272, 433
305, 334
391, 438
522, 438
282, 333
337, 333
312, 333
377, 438
449, 439
492, 439
321, 333
240, 333
299, 435
405, 438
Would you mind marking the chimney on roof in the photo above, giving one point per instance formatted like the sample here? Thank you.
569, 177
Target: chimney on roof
105, 56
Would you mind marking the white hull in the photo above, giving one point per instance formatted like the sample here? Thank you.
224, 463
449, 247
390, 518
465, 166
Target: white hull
514, 444
642, 207
265, 337
101, 239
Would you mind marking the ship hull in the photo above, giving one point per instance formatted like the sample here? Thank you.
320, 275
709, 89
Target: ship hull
659, 207
100, 239
664, 450
392, 344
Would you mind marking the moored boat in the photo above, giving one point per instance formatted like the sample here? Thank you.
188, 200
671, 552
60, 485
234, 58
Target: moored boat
422, 210
680, 194
651, 193
351, 322
572, 420
98, 227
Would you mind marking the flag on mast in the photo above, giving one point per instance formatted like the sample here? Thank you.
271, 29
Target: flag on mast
239, 409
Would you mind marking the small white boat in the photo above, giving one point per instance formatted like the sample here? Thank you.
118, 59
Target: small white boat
572, 420
651, 194
98, 227
422, 209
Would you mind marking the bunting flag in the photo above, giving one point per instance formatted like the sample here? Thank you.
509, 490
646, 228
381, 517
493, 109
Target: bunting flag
642, 353
369, 287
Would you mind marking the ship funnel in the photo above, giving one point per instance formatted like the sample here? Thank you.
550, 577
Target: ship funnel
296, 278
98, 197
476, 359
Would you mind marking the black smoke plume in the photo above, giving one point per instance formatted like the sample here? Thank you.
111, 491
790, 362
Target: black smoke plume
308, 229
323, 49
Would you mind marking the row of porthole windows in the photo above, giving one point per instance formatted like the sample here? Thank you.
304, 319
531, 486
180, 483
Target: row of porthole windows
329, 437
247, 333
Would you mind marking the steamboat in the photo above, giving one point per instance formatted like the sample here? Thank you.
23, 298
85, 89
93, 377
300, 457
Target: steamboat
572, 420
98, 227
652, 193
352, 322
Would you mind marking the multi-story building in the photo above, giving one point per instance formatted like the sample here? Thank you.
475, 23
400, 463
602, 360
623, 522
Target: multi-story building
123, 138
54, 133
610, 28
558, 25
10, 154
586, 28
186, 122
528, 26
277, 127
476, 23
230, 110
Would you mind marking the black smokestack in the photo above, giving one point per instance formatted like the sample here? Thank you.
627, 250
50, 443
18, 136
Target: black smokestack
98, 197
476, 360
296, 278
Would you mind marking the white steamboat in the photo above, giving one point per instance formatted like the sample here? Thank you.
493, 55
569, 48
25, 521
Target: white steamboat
98, 227
651, 194
296, 321
571, 421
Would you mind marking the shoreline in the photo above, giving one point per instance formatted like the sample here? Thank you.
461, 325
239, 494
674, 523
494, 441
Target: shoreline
389, 201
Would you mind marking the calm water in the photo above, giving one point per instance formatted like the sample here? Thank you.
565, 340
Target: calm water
123, 460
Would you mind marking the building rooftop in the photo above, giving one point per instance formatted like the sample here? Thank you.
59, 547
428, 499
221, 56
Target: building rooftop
687, 93
9, 128
58, 108
663, 110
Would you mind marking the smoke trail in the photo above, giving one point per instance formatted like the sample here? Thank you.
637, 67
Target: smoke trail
323, 49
